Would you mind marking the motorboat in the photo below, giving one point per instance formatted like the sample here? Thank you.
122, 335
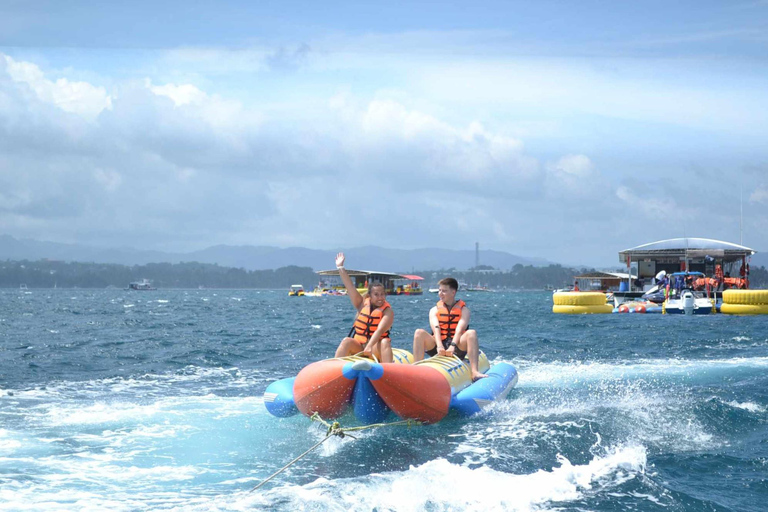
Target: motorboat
296, 291
690, 302
143, 285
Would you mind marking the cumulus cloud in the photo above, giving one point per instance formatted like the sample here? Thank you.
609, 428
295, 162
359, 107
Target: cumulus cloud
198, 168
578, 166
650, 207
180, 94
759, 195
574, 180
181, 164
386, 138
79, 98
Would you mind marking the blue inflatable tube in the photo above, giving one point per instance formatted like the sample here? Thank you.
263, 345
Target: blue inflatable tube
502, 377
278, 398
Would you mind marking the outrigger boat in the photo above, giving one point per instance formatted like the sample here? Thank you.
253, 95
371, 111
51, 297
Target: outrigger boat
426, 391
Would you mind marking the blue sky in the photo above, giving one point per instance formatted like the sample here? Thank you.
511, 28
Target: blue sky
564, 130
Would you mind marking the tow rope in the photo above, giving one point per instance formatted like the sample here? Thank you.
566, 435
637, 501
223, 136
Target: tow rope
335, 429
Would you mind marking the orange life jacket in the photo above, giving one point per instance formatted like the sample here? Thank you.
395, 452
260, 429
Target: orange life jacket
449, 319
367, 321
735, 282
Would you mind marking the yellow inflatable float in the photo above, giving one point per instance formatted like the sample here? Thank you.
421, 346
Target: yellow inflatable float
745, 302
580, 303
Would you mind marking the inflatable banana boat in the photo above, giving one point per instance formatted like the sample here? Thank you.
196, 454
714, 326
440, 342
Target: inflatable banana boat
426, 391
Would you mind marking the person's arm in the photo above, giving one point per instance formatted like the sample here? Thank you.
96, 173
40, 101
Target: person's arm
386, 322
461, 328
436, 331
352, 293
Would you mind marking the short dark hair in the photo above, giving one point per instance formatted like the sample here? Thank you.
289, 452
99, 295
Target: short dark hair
450, 283
376, 284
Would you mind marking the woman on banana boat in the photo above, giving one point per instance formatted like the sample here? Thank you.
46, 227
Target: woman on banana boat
448, 321
370, 332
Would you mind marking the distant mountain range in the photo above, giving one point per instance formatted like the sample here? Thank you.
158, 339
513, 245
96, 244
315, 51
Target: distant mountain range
265, 257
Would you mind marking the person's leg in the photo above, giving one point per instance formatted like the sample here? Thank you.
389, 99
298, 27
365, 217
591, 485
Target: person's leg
386, 351
347, 347
422, 341
468, 343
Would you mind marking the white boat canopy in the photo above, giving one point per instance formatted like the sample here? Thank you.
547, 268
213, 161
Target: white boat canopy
687, 248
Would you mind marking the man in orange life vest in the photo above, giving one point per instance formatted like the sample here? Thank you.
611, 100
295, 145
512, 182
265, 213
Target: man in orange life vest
449, 321
370, 332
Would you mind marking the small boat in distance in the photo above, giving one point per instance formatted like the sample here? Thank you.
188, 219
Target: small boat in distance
296, 291
412, 287
478, 288
143, 285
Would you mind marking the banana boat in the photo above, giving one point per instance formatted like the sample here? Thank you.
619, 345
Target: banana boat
426, 391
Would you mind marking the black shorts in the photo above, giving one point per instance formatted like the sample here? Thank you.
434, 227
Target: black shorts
456, 350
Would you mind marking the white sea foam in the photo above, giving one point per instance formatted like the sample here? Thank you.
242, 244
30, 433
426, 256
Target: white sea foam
8, 442
574, 373
748, 406
560, 400
164, 409
440, 485
150, 384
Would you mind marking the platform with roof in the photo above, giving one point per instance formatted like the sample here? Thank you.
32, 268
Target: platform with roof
362, 278
681, 254
703, 255
603, 281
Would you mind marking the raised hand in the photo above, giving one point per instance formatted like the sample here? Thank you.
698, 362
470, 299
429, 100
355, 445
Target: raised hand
340, 260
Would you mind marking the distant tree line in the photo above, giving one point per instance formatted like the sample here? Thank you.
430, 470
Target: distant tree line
536, 278
50, 274
520, 276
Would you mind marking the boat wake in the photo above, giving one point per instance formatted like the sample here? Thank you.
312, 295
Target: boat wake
441, 485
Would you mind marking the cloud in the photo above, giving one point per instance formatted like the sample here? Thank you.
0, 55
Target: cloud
287, 59
759, 195
173, 164
185, 161
577, 166
79, 98
180, 94
656, 208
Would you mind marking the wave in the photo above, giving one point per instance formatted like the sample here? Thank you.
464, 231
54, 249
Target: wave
441, 485
576, 373
190, 380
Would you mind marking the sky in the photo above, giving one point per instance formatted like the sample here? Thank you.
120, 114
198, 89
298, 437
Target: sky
561, 130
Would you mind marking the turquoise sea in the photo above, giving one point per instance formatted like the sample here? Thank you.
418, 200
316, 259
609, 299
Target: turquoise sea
122, 401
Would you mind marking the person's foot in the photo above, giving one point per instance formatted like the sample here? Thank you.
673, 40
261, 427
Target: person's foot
477, 376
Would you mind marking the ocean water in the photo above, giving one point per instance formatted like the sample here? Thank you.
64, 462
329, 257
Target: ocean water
117, 400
